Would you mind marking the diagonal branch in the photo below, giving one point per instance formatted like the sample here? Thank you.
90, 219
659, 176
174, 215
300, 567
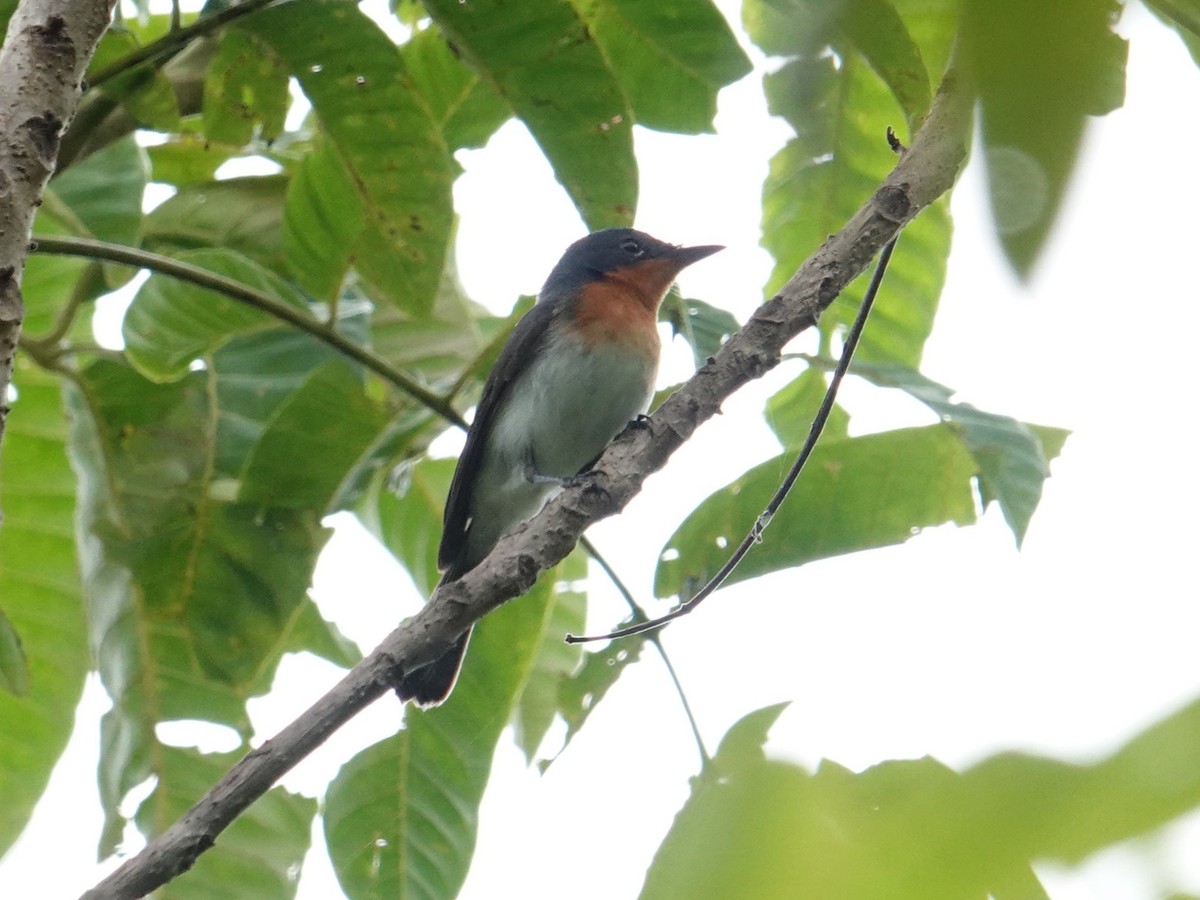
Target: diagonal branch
42, 61
925, 173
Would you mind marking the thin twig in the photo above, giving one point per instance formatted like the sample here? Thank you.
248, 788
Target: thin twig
144, 259
755, 535
640, 614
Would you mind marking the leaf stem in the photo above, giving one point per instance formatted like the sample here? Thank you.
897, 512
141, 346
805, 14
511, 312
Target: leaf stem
654, 638
144, 259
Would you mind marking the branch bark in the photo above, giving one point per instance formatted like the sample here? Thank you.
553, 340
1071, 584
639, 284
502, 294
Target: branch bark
45, 53
926, 172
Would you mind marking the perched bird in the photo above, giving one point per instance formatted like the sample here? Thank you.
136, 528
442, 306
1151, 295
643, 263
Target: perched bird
577, 368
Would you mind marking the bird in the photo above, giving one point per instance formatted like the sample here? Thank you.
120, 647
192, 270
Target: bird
576, 369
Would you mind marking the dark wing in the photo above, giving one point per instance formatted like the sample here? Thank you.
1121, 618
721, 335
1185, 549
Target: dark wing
521, 347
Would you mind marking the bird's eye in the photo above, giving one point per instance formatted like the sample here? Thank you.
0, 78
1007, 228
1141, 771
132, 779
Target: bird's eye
632, 247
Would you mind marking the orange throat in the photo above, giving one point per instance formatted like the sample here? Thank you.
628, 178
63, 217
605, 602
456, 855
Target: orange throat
623, 306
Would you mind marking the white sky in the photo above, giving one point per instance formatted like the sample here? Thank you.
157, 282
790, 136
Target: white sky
953, 645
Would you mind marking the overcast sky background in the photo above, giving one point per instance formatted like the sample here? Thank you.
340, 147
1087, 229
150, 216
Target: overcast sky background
954, 644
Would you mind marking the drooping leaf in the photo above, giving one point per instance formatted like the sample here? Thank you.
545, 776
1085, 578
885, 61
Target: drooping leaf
704, 326
555, 660
547, 65
821, 178
671, 58
401, 817
1013, 461
382, 132
1031, 135
41, 594
247, 87
261, 852
790, 410
582, 692
855, 494
173, 322
192, 598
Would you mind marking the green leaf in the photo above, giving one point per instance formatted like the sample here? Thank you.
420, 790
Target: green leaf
855, 494
258, 377
246, 87
255, 375
401, 817
384, 135
187, 159
460, 335
405, 513
821, 178
791, 410
192, 599
104, 193
547, 65
704, 326
172, 322
315, 438
323, 218
582, 692
144, 91
758, 807
915, 828
1184, 17
1031, 135
671, 58
876, 31
555, 660
240, 215
7, 8
42, 597
906, 42
14, 668
743, 743
312, 633
1013, 461
51, 283
465, 107
99, 197
261, 852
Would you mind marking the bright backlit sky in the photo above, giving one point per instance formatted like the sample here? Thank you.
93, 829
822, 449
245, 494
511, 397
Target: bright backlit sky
953, 645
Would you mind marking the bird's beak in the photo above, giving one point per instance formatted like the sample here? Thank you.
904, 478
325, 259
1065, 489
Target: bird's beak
685, 256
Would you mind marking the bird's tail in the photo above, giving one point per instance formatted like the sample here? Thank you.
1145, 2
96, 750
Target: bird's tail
430, 685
